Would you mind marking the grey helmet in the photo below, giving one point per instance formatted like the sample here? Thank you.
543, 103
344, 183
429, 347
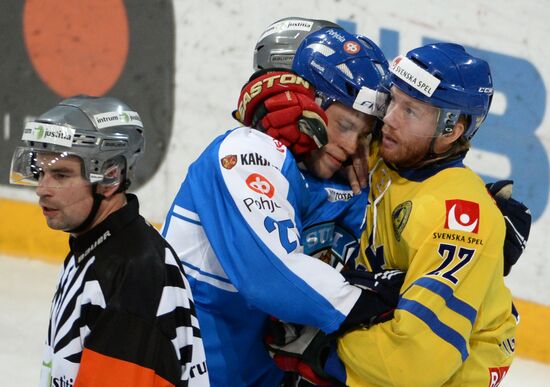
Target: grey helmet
278, 43
101, 131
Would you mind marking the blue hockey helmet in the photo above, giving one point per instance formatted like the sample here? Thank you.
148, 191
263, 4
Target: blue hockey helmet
446, 76
344, 67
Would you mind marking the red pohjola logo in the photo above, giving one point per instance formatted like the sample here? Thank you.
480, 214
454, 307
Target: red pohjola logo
260, 184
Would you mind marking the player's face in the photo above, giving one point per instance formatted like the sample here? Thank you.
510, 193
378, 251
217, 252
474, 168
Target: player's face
64, 195
409, 128
345, 127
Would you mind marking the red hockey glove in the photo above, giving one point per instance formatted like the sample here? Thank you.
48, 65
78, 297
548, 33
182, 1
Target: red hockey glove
517, 218
282, 104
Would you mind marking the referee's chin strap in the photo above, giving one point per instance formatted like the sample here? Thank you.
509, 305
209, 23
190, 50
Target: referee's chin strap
93, 212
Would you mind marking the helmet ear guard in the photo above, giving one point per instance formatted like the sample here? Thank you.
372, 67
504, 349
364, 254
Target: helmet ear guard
114, 172
447, 121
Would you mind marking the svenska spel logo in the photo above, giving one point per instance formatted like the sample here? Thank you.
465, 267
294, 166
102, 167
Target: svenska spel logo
462, 215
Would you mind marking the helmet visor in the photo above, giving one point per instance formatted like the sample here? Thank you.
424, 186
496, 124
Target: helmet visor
416, 117
31, 167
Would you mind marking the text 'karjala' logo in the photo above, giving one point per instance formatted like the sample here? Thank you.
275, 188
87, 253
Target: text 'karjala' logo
254, 159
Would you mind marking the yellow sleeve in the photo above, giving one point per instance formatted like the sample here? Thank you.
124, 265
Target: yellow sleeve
448, 278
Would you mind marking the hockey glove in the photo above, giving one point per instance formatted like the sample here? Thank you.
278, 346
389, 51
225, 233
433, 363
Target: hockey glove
517, 218
282, 104
306, 355
281, 333
378, 299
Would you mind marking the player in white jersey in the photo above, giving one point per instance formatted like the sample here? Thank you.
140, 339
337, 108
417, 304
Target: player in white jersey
237, 221
122, 314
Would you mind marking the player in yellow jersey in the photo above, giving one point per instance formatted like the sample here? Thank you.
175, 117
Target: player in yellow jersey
431, 216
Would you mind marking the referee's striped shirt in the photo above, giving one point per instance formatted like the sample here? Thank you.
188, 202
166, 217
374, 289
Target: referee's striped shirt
122, 314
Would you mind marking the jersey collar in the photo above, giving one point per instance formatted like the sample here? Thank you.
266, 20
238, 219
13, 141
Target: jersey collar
421, 174
83, 245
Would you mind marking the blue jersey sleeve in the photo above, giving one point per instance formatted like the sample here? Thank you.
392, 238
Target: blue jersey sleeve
247, 196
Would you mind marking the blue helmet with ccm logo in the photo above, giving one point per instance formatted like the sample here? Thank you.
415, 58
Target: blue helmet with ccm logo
446, 76
343, 67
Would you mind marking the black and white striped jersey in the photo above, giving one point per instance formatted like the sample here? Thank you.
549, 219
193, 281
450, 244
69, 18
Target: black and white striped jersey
122, 314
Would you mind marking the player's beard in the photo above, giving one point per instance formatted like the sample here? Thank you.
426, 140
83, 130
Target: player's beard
403, 153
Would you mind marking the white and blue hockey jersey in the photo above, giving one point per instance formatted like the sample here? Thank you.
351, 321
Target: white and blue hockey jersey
236, 224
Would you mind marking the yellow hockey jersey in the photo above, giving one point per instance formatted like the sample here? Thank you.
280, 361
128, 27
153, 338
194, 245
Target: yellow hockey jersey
454, 324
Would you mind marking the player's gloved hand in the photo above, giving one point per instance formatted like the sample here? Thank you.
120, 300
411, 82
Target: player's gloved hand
305, 355
378, 299
518, 221
282, 104
281, 333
